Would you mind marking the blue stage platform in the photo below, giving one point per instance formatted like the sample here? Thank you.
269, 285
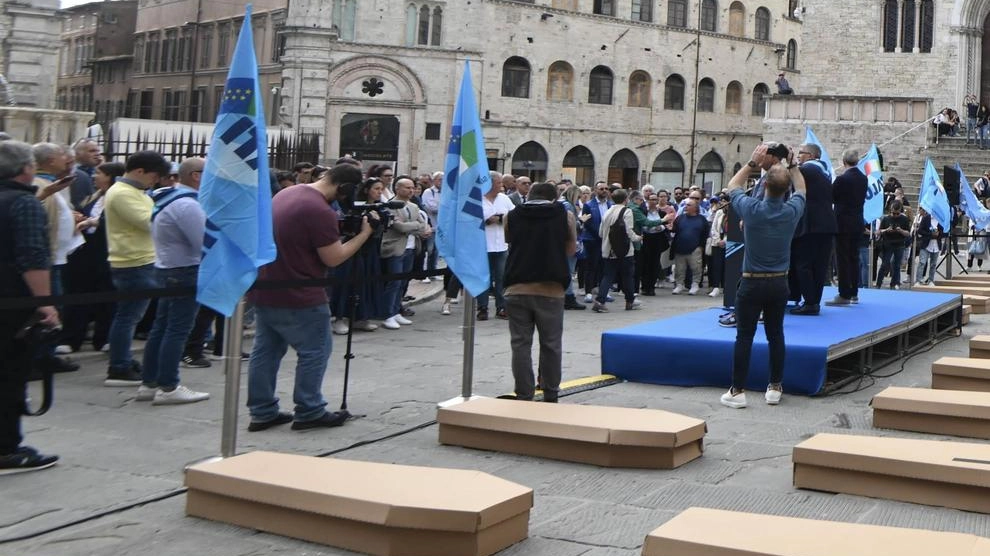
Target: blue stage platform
693, 350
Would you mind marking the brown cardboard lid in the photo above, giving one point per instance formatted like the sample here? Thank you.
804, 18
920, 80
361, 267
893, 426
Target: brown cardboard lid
624, 426
963, 463
379, 493
979, 342
976, 291
703, 531
962, 366
952, 403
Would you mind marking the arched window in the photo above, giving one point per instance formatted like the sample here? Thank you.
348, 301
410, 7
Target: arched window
733, 98
673, 93
762, 24
737, 19
760, 92
668, 170
792, 9
639, 89
709, 15
515, 78
889, 25
600, 86
624, 168
927, 32
907, 26
560, 81
423, 33
706, 95
792, 54
709, 172
436, 26
530, 159
580, 163
677, 13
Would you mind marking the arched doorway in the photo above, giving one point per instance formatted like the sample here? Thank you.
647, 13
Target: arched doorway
530, 159
624, 169
709, 173
579, 166
668, 170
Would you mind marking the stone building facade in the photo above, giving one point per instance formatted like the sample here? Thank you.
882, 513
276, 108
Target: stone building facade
587, 89
29, 31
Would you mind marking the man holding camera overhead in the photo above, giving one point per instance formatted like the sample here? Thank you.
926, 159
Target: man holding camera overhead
24, 272
307, 236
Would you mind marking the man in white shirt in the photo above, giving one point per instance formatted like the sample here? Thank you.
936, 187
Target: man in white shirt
495, 205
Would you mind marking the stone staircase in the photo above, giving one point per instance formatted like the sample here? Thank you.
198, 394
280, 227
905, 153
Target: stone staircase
948, 151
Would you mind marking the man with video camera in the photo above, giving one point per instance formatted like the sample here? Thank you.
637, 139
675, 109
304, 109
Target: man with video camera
25, 262
307, 235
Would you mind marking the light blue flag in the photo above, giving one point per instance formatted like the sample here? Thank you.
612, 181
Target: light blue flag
974, 209
461, 226
870, 166
812, 139
236, 192
932, 197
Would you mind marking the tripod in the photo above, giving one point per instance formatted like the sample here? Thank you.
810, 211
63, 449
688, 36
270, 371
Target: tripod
951, 255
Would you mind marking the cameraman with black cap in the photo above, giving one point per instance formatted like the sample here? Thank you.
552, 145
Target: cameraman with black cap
24, 272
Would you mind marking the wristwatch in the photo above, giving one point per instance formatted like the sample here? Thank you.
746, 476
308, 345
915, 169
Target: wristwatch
791, 166
751, 164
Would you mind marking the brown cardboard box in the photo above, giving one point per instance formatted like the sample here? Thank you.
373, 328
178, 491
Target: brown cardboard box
961, 373
953, 412
706, 532
967, 311
937, 473
979, 347
605, 436
382, 509
978, 297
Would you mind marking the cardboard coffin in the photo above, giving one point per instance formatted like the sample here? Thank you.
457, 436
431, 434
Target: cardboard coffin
967, 311
937, 473
605, 436
961, 373
979, 347
953, 412
706, 532
382, 509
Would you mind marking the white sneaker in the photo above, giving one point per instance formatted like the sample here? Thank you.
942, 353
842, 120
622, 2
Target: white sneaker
402, 320
588, 298
735, 402
677, 290
390, 323
445, 308
426, 280
455, 301
715, 292
145, 393
181, 394
340, 327
693, 290
773, 396
63, 350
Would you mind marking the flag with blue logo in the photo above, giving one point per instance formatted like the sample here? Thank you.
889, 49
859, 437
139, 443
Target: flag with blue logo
974, 209
932, 197
235, 191
870, 166
811, 139
461, 222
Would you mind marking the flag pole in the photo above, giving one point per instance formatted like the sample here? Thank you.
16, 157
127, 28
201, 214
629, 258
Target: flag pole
233, 335
467, 381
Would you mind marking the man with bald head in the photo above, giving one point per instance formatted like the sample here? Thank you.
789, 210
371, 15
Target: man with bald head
520, 195
770, 224
177, 226
88, 155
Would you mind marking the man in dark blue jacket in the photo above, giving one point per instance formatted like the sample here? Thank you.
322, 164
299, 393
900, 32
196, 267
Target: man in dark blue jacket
596, 209
812, 245
848, 197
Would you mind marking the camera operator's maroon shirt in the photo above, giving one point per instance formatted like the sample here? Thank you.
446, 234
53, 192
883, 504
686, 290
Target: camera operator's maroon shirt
302, 222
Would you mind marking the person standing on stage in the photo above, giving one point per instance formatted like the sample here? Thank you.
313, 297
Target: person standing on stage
848, 197
812, 250
770, 224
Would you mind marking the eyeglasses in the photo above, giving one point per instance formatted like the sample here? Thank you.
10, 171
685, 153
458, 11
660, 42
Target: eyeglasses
387, 175
695, 198
804, 152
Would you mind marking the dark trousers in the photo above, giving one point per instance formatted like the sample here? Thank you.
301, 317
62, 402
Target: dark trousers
546, 316
621, 271
16, 358
847, 261
653, 246
84, 274
197, 338
754, 295
716, 268
592, 264
813, 252
452, 285
891, 257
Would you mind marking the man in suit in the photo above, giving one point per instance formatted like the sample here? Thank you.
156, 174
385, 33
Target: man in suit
848, 196
595, 209
519, 196
812, 249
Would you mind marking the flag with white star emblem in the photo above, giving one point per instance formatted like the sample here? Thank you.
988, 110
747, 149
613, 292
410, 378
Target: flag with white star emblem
235, 191
461, 221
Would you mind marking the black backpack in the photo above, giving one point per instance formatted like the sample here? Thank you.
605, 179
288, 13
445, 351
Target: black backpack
618, 238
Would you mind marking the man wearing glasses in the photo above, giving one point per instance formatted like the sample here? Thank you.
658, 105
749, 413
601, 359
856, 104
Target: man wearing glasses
595, 210
812, 245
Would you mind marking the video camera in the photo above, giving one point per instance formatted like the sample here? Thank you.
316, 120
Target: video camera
350, 223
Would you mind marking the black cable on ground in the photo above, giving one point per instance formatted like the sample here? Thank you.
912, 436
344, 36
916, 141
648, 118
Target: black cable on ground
873, 377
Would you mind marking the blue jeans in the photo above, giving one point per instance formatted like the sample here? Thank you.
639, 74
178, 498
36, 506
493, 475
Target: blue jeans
754, 295
864, 267
496, 266
430, 248
617, 269
925, 256
890, 263
128, 313
982, 139
970, 128
174, 321
394, 288
307, 330
571, 265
